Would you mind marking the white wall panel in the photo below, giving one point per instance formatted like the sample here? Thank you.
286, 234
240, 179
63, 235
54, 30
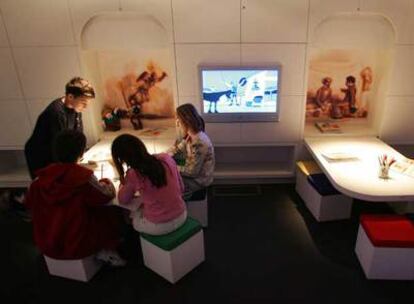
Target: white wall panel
14, 123
290, 56
320, 9
44, 71
189, 56
402, 74
206, 21
9, 84
35, 107
274, 20
397, 124
288, 129
82, 10
195, 100
3, 36
223, 133
40, 22
400, 13
159, 9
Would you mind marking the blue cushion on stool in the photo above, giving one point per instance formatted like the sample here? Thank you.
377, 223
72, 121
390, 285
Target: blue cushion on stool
322, 184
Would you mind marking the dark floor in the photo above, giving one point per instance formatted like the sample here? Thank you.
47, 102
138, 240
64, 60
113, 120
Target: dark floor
263, 248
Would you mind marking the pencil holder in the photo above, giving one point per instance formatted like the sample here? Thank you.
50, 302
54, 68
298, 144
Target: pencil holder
385, 163
384, 171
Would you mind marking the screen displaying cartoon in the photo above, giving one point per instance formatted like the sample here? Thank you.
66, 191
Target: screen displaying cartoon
252, 90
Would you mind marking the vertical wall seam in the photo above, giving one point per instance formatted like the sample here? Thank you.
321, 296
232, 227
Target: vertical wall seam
175, 52
16, 69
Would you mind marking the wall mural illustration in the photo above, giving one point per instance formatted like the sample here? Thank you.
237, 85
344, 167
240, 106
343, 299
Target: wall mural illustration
340, 84
134, 91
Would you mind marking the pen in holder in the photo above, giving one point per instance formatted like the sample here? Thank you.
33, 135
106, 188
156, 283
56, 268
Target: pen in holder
385, 163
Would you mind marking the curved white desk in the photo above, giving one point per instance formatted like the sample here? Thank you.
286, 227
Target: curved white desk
358, 178
101, 151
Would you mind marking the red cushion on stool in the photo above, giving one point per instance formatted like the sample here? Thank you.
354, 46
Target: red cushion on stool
389, 230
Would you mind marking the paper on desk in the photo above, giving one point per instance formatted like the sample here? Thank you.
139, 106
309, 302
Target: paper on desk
339, 156
405, 166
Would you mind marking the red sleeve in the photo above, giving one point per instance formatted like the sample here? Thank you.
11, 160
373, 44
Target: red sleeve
98, 193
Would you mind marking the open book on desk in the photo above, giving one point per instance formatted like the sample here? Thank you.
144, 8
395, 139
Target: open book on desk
405, 166
328, 127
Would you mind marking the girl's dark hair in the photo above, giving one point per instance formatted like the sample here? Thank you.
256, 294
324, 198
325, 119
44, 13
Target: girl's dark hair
130, 150
68, 146
189, 116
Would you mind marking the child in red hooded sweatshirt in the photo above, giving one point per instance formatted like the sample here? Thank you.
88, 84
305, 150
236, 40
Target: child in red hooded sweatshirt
68, 205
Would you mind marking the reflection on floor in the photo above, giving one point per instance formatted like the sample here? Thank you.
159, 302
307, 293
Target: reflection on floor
260, 248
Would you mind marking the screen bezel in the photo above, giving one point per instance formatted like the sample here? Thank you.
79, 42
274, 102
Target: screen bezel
239, 117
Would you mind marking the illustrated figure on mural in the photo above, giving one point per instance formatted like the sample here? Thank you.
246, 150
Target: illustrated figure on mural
324, 94
333, 100
134, 101
350, 94
366, 79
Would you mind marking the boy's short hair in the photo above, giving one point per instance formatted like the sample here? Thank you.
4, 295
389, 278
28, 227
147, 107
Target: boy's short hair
78, 87
68, 146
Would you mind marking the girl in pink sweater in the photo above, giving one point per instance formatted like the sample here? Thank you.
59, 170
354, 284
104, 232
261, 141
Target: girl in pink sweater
151, 186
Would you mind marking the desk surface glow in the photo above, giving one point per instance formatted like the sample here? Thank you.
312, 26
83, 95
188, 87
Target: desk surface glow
101, 151
358, 178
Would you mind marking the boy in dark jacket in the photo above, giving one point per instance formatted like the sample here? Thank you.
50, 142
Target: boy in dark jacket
64, 113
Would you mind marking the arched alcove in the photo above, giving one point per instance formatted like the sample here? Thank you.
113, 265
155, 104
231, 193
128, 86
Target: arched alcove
349, 62
128, 58
123, 30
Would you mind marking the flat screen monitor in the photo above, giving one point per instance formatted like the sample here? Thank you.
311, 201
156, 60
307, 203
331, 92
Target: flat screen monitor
240, 94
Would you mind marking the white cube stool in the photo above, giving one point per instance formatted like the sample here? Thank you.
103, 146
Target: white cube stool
385, 262
174, 255
80, 270
322, 207
198, 209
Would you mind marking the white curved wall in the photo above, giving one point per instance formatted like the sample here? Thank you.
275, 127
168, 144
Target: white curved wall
199, 31
354, 31
123, 30
342, 44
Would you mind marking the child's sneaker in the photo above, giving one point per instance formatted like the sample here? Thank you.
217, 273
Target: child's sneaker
111, 258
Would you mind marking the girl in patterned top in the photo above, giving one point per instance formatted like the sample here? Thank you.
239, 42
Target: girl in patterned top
194, 153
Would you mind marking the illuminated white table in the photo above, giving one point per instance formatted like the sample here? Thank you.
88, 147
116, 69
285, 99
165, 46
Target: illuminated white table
358, 178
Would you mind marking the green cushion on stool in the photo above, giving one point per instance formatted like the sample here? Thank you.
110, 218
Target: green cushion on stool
174, 239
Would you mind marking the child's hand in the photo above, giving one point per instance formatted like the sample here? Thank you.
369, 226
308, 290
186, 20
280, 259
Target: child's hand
107, 183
